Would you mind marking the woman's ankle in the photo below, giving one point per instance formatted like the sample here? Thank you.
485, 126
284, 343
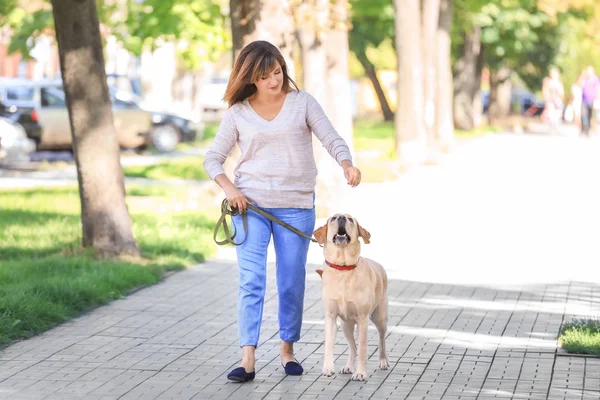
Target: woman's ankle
286, 352
248, 358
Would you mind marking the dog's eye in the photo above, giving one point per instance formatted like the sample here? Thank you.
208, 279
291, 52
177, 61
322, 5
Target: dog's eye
333, 218
351, 220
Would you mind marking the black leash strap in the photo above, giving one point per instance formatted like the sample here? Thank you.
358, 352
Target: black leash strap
230, 234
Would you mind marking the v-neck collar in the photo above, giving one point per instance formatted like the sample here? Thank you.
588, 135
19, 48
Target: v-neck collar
276, 116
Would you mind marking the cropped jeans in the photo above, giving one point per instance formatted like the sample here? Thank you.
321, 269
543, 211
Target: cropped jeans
291, 252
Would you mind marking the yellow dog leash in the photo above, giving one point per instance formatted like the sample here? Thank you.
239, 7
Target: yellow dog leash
227, 210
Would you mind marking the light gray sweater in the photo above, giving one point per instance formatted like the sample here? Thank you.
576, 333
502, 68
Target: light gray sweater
277, 166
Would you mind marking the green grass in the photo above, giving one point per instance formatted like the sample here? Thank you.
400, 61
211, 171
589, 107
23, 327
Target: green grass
375, 136
47, 278
379, 136
177, 168
375, 152
210, 131
581, 337
481, 131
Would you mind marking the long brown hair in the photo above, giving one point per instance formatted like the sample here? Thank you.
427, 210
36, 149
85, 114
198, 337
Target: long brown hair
256, 59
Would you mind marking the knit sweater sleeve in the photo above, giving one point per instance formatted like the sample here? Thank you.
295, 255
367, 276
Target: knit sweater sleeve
225, 139
323, 129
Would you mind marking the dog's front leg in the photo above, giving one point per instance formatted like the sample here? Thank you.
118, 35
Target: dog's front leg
348, 327
361, 365
330, 331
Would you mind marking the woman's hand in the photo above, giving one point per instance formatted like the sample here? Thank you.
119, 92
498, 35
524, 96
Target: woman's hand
351, 173
236, 198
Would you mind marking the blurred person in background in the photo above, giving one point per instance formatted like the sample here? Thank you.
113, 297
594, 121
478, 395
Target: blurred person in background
554, 94
590, 90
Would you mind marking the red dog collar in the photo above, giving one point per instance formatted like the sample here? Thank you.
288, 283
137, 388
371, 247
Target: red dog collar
341, 267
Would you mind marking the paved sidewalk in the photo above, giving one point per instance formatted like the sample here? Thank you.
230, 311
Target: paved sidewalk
486, 256
178, 340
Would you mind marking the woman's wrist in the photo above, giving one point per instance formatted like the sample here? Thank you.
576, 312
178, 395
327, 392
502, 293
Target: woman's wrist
346, 164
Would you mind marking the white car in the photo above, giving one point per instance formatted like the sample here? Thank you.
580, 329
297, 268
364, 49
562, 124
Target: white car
211, 100
14, 143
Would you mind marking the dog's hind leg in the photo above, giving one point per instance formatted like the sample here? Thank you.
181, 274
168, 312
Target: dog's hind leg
379, 318
348, 327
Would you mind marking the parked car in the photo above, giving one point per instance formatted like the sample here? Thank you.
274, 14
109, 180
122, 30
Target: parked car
211, 100
14, 143
25, 116
168, 130
136, 127
522, 100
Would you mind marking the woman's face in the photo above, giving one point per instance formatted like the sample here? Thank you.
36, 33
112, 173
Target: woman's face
272, 83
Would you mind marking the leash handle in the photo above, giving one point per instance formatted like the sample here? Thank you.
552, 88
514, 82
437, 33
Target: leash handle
226, 210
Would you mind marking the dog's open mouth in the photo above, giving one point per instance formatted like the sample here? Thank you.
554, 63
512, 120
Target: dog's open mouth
341, 237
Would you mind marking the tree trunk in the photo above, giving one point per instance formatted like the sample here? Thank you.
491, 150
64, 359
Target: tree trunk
388, 114
467, 81
339, 100
270, 20
431, 12
444, 125
105, 219
410, 126
312, 17
500, 88
312, 20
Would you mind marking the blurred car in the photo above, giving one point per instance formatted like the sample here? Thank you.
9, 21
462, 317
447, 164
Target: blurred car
135, 126
25, 116
211, 100
521, 100
14, 143
47, 98
168, 130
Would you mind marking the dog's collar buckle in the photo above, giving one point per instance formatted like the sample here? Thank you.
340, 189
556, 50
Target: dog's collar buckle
341, 267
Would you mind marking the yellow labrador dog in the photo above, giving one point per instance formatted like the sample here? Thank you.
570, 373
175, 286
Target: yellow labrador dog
354, 289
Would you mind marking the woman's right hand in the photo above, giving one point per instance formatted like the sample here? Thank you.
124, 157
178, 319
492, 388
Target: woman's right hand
236, 198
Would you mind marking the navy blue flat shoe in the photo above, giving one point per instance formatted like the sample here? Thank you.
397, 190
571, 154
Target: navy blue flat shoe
240, 375
293, 368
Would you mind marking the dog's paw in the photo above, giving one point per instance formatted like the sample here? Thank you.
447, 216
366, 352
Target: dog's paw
384, 364
328, 370
347, 370
359, 376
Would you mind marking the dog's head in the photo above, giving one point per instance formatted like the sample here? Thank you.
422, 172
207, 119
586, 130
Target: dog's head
339, 237
341, 230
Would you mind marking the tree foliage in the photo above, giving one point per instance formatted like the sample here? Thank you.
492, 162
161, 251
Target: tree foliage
525, 35
372, 24
6, 7
198, 27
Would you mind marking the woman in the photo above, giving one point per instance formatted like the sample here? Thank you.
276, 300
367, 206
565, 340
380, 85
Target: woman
271, 121
576, 100
554, 93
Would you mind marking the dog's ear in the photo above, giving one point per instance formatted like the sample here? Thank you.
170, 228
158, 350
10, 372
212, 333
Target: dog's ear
321, 234
363, 233
320, 272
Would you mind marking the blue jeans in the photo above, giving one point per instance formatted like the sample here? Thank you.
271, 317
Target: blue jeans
291, 250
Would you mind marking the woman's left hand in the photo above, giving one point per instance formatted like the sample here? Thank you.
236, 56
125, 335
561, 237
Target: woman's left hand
352, 174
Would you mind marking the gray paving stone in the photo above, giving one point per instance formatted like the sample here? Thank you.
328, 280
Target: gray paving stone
184, 347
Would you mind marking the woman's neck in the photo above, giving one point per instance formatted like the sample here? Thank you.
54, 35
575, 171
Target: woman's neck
265, 98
